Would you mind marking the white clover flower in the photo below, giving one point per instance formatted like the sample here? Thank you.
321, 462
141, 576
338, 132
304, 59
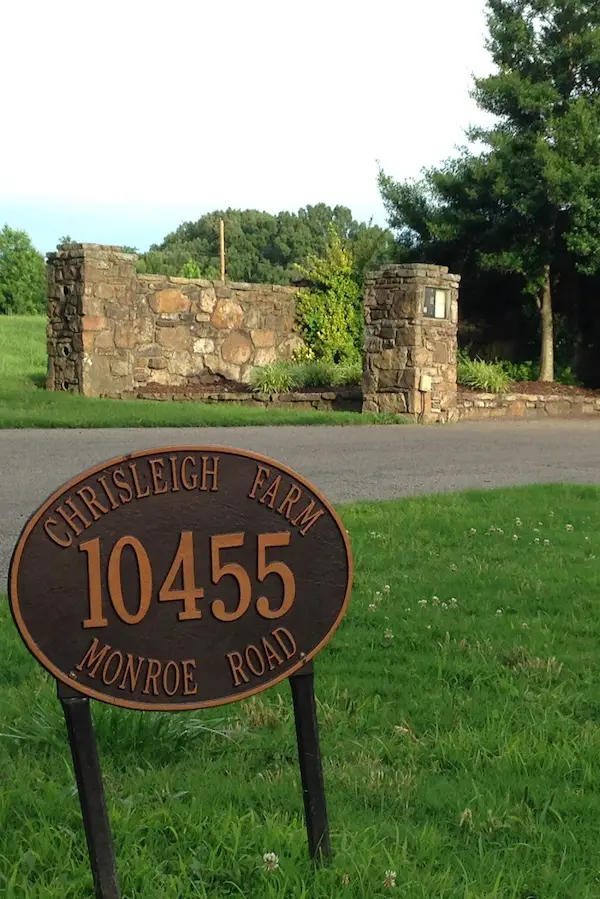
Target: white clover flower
422, 603
372, 607
390, 879
472, 532
536, 540
568, 527
444, 605
435, 601
401, 729
524, 625
466, 817
453, 601
518, 523
386, 588
388, 635
536, 530
516, 537
546, 543
499, 612
271, 861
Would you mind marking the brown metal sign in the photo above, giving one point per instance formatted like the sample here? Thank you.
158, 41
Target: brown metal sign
180, 578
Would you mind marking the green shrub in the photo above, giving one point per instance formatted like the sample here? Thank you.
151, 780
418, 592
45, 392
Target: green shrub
348, 374
191, 269
567, 376
329, 314
275, 378
530, 371
521, 371
314, 373
283, 376
479, 375
320, 373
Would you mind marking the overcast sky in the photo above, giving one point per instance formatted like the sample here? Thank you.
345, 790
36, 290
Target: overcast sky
122, 119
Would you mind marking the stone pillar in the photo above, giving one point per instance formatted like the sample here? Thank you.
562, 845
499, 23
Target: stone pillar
411, 321
91, 319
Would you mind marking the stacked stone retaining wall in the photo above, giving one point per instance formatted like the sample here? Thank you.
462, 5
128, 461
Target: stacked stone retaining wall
112, 331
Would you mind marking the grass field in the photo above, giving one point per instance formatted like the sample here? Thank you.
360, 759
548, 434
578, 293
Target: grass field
25, 404
459, 708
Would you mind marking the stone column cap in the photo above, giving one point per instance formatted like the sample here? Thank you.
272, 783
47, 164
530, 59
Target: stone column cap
411, 270
88, 249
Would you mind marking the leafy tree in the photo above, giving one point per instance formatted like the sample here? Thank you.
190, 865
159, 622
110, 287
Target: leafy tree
22, 275
528, 202
264, 248
191, 270
371, 247
329, 313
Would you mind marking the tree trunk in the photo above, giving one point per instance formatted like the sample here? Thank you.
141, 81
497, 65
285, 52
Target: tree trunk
547, 329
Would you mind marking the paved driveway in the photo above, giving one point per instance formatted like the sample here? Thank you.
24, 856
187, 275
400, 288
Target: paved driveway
350, 463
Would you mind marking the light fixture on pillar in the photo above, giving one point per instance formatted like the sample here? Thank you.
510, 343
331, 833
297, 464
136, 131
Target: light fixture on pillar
436, 303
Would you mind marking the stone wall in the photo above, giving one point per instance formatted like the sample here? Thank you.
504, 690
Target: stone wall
473, 406
335, 399
402, 344
112, 332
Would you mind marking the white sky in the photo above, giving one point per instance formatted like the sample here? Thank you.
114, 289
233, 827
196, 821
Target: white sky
121, 119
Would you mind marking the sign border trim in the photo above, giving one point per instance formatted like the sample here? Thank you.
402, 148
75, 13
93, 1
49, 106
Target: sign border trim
13, 594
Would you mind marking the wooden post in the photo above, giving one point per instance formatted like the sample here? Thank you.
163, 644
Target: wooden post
222, 247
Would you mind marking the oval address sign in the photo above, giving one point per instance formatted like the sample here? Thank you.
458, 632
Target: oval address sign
181, 577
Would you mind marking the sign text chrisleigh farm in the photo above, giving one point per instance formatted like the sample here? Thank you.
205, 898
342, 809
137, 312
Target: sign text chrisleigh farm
181, 578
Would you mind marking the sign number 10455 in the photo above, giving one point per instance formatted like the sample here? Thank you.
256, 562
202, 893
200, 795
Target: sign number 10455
189, 594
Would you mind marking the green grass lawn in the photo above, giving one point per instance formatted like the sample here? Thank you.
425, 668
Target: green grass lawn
459, 709
25, 404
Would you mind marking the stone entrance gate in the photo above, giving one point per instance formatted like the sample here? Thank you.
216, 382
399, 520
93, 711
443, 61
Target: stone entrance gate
115, 333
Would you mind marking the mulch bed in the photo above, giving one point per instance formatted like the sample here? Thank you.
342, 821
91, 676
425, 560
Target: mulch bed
221, 385
540, 388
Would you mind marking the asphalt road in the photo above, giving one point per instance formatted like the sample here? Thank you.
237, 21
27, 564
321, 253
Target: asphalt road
346, 463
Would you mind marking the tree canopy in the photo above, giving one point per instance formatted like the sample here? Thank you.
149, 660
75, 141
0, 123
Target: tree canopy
523, 199
22, 275
265, 248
